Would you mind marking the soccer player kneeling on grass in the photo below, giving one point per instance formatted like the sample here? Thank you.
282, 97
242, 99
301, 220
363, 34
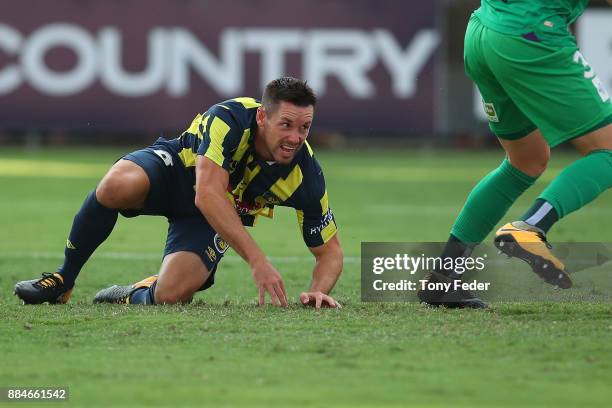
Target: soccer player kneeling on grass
538, 91
233, 164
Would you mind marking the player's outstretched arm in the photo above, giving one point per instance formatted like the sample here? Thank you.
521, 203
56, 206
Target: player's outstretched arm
211, 200
327, 270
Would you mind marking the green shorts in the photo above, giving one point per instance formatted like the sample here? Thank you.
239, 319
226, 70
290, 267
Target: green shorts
527, 85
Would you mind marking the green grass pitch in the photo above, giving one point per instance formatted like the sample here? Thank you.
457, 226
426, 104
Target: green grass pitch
223, 351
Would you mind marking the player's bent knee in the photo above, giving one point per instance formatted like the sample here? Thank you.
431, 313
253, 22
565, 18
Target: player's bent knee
537, 167
121, 188
109, 193
534, 165
529, 154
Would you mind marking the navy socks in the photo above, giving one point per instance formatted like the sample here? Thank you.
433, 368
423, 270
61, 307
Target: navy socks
91, 226
144, 296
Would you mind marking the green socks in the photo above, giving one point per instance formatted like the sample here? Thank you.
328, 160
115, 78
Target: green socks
580, 183
577, 185
489, 201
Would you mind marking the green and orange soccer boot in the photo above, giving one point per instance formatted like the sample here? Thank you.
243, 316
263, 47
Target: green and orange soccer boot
524, 241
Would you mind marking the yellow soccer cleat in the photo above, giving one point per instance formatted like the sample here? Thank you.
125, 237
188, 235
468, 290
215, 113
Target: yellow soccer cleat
521, 240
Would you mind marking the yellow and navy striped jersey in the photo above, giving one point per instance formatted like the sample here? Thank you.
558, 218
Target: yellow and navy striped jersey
225, 134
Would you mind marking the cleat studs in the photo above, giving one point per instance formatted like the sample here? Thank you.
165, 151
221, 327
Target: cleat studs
560, 276
545, 266
499, 252
501, 243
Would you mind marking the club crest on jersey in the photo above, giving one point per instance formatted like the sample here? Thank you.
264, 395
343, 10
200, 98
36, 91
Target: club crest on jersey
220, 244
271, 198
490, 111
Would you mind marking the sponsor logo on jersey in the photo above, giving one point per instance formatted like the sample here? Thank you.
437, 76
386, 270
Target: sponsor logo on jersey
325, 221
246, 207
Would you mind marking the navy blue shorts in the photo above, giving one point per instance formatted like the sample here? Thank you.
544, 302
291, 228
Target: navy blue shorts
172, 195
194, 234
172, 190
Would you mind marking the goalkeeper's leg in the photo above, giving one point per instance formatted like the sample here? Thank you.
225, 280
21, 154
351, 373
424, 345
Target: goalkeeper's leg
489, 201
577, 185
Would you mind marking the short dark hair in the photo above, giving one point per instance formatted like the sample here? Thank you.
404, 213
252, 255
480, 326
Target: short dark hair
288, 89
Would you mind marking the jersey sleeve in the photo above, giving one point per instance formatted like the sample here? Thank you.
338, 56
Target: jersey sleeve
315, 217
221, 135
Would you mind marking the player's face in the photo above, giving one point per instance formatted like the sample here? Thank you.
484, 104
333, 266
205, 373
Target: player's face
283, 131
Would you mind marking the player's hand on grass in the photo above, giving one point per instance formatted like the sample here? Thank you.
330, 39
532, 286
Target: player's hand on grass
318, 300
269, 280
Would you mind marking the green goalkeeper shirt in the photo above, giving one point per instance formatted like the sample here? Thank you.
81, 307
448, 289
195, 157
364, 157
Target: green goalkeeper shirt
548, 20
